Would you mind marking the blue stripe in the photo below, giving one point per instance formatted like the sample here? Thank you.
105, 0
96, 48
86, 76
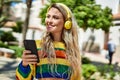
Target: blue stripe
24, 71
51, 75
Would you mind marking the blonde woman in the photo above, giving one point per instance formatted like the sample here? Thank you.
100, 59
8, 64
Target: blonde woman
58, 50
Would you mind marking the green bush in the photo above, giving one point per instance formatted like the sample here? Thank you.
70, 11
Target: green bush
18, 50
7, 36
18, 28
88, 70
3, 45
107, 69
85, 60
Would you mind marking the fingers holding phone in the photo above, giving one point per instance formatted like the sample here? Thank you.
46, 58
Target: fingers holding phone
31, 45
28, 58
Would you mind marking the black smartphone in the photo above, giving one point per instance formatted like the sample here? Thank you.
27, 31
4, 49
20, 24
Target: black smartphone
31, 45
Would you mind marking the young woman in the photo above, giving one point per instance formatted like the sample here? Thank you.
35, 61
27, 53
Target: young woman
58, 50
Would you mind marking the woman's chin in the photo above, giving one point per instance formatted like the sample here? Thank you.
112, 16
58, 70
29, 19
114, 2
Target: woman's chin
50, 30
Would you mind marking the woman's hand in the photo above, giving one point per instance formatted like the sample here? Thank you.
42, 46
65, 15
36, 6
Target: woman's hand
28, 58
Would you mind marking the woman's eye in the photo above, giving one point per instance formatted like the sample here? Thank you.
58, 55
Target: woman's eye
47, 16
55, 17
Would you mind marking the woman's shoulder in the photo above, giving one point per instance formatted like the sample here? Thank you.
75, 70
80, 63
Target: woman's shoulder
38, 43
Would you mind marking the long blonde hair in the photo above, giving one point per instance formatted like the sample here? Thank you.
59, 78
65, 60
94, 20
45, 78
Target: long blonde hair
70, 39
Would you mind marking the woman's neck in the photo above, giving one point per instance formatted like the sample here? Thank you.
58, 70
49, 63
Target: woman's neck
57, 37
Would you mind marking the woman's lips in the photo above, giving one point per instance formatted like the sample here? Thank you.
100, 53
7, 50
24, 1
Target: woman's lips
50, 27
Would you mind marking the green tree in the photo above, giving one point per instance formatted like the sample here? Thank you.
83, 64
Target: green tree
4, 10
88, 14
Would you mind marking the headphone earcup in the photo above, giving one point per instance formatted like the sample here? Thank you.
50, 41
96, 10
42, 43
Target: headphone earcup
68, 24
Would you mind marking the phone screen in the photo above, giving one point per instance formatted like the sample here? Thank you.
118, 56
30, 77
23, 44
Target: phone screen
31, 45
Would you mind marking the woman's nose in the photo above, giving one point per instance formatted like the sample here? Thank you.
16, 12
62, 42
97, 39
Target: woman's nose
50, 20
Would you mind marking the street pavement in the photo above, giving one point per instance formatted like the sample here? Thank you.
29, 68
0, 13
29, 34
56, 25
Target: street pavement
102, 58
7, 68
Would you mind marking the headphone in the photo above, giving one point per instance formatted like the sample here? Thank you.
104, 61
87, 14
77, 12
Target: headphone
68, 22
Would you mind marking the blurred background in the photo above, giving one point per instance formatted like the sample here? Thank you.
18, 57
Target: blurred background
98, 21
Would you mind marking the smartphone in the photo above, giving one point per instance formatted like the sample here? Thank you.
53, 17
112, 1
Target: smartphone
31, 45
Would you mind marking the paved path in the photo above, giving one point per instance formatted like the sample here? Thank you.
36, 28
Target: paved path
7, 68
101, 58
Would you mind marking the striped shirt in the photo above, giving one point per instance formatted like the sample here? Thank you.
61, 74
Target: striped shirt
61, 67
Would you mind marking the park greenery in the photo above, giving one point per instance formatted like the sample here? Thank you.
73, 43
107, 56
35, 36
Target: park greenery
88, 15
4, 10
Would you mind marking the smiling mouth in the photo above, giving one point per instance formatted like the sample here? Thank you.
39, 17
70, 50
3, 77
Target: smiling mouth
50, 26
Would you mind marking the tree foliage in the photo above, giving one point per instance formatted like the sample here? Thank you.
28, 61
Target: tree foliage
4, 10
87, 13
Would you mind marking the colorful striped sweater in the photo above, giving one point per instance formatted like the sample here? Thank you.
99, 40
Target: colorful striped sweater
62, 69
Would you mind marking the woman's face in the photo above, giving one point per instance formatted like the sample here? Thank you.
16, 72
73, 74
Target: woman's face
54, 21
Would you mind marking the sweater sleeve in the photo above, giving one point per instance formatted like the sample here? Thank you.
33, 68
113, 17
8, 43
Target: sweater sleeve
25, 73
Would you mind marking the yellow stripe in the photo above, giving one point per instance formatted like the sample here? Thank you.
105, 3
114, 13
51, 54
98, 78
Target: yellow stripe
38, 43
22, 78
59, 45
56, 44
58, 61
33, 69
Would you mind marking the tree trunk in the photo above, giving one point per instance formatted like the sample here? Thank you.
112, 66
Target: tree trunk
106, 37
1, 7
42, 2
1, 11
25, 28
